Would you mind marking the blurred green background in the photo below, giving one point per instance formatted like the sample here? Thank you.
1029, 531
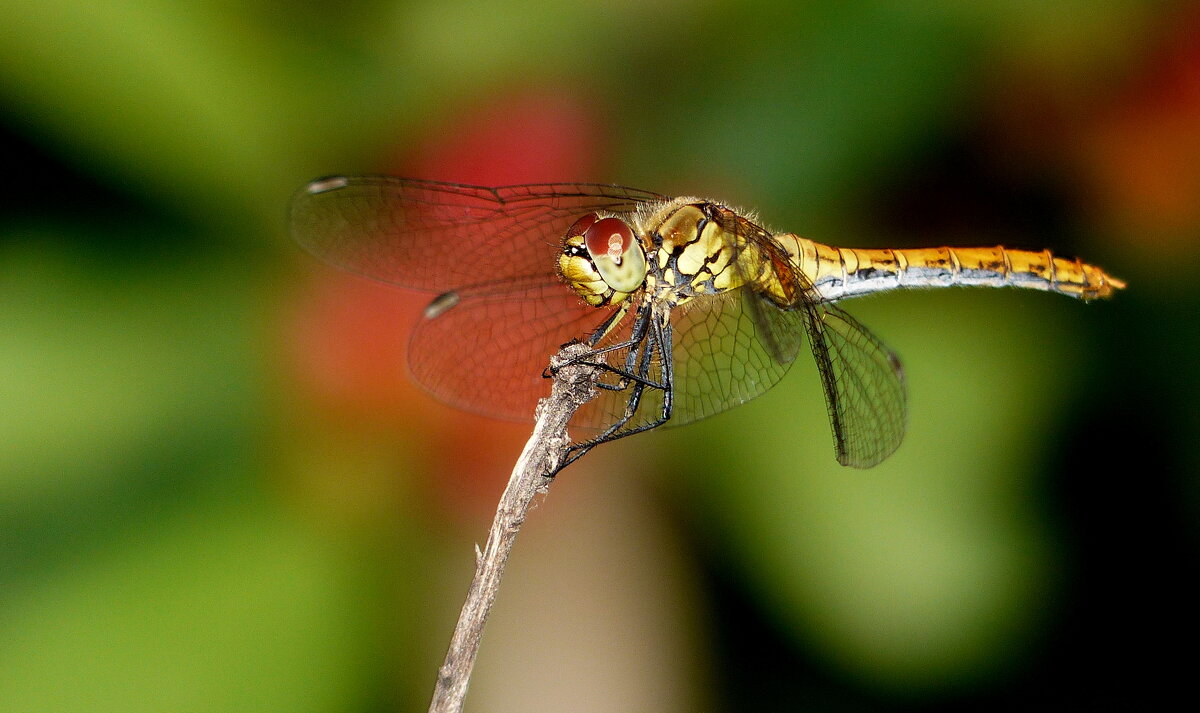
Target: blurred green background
219, 492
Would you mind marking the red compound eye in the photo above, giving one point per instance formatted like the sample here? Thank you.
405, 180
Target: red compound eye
610, 237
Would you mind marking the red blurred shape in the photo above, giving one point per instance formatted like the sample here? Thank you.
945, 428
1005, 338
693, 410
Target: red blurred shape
523, 136
349, 341
1127, 138
350, 338
1143, 149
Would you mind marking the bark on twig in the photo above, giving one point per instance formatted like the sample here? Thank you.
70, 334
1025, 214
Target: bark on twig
533, 473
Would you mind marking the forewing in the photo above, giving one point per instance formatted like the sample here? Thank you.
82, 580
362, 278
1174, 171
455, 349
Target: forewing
776, 316
732, 347
720, 359
487, 352
724, 355
434, 236
864, 387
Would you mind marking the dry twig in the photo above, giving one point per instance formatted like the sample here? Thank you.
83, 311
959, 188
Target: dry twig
533, 473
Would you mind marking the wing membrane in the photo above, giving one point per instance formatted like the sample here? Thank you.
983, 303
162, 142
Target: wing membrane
861, 377
864, 386
723, 356
497, 371
427, 235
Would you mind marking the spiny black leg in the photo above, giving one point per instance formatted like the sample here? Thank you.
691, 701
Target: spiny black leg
641, 329
641, 325
640, 360
637, 388
659, 338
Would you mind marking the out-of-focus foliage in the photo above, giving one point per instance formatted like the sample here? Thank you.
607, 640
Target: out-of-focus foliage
218, 491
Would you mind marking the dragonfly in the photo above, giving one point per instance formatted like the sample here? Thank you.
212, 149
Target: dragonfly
688, 306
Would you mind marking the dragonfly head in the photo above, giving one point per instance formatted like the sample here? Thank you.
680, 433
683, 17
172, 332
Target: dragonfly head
602, 260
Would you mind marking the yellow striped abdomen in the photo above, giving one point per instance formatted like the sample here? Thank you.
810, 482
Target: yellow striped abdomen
846, 272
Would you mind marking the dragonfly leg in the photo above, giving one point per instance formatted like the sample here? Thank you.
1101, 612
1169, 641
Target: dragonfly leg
659, 340
596, 335
630, 373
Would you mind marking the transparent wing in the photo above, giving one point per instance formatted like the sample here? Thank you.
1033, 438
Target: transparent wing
864, 386
723, 354
730, 348
487, 353
861, 377
719, 359
495, 248
727, 349
427, 235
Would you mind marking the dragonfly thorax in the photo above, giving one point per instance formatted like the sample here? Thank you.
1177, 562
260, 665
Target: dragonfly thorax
602, 260
694, 253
